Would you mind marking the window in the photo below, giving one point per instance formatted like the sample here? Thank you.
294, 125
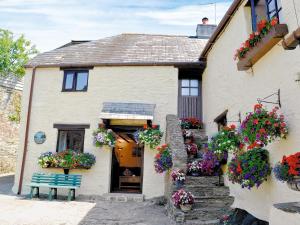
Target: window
264, 9
189, 87
70, 139
75, 80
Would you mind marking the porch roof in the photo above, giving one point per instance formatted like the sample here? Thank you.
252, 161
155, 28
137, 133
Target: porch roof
118, 110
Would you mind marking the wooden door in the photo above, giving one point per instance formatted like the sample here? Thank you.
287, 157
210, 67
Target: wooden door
189, 98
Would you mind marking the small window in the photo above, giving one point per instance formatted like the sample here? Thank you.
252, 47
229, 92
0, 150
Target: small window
264, 9
75, 80
189, 87
70, 139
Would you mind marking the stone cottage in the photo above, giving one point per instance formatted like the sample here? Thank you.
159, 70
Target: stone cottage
10, 103
125, 81
230, 88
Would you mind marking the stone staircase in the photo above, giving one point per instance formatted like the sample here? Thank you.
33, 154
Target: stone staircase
212, 198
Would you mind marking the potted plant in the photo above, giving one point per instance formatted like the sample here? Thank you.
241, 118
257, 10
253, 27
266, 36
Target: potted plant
150, 136
163, 159
178, 177
191, 150
104, 136
209, 165
183, 199
191, 123
261, 127
188, 136
250, 169
194, 168
288, 170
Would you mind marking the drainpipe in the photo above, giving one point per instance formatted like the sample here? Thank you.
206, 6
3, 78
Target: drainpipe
26, 131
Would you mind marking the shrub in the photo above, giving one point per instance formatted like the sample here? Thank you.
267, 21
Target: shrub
288, 168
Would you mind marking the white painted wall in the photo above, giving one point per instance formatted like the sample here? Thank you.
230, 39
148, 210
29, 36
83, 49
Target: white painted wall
226, 88
155, 85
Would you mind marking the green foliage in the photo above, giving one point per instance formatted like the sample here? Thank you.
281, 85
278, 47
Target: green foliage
16, 102
14, 54
151, 137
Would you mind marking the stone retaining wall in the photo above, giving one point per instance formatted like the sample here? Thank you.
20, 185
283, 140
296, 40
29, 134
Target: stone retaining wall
9, 130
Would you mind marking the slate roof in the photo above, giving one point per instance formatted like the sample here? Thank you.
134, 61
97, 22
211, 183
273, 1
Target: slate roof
128, 108
125, 49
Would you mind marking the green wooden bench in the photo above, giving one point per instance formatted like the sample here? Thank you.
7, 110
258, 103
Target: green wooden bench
55, 181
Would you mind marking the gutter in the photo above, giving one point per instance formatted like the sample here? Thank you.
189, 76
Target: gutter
26, 131
74, 65
224, 22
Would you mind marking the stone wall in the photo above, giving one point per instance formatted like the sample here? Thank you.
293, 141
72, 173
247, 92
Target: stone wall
179, 157
9, 130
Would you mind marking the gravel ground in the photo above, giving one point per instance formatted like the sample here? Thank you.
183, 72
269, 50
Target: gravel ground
21, 211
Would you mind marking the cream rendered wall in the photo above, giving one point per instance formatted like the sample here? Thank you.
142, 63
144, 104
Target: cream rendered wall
226, 88
156, 85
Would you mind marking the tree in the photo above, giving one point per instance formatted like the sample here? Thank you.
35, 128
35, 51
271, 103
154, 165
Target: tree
14, 54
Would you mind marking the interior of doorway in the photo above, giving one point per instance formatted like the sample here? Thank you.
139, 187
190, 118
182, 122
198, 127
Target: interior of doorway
127, 163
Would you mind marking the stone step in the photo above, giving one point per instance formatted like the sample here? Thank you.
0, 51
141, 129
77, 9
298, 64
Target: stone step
206, 214
123, 197
204, 190
213, 201
210, 181
201, 222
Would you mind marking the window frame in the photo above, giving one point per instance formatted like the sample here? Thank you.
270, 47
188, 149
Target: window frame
68, 130
74, 83
189, 87
253, 4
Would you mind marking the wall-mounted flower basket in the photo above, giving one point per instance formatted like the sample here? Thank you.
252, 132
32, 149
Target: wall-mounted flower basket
275, 34
294, 184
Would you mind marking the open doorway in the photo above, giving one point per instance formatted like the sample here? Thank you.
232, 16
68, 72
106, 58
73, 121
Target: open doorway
127, 164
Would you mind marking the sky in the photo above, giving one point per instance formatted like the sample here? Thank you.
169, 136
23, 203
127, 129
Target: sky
52, 23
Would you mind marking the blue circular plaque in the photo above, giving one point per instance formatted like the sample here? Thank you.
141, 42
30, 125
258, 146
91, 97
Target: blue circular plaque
40, 137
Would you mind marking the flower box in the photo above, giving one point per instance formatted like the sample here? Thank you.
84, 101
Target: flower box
276, 33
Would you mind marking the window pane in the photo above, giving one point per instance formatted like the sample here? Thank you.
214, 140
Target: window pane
69, 80
194, 83
62, 140
185, 83
75, 140
185, 91
272, 6
82, 80
194, 91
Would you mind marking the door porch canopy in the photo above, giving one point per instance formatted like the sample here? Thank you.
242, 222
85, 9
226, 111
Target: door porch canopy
127, 111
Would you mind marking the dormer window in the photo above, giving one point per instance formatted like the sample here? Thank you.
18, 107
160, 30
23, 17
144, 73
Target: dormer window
75, 80
264, 9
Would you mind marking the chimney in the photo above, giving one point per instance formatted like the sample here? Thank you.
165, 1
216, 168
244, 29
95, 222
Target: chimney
205, 30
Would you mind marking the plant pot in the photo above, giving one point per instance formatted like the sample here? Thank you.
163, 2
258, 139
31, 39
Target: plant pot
66, 171
294, 184
186, 207
179, 184
195, 174
224, 168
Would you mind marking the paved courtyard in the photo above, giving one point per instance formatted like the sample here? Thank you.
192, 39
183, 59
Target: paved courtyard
21, 211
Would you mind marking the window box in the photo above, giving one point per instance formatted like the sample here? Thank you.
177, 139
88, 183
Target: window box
275, 34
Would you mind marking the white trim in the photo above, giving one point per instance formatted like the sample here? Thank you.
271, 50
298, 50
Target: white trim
125, 116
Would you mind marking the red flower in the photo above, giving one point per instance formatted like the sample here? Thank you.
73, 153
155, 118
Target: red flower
164, 146
283, 124
262, 130
247, 44
239, 168
154, 126
252, 36
255, 121
158, 156
232, 126
145, 126
241, 146
274, 21
257, 106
